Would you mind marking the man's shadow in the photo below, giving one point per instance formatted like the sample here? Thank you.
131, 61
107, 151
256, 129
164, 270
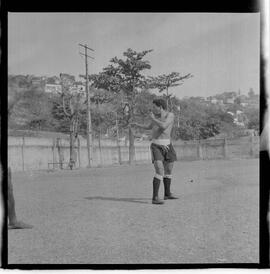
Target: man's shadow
130, 200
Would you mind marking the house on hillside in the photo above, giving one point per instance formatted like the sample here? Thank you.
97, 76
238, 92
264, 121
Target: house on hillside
38, 81
80, 86
230, 100
240, 118
214, 100
53, 88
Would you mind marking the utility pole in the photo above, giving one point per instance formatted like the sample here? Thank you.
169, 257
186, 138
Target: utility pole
89, 124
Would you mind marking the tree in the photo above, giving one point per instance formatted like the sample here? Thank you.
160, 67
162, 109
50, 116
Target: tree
72, 106
253, 118
38, 107
14, 96
164, 82
28, 106
132, 81
124, 77
197, 120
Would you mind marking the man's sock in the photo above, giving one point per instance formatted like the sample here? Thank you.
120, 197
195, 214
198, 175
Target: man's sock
156, 183
167, 187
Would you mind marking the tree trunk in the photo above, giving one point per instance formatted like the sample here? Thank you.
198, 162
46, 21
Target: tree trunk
71, 147
72, 159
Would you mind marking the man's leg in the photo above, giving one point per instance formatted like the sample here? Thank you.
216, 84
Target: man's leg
156, 181
168, 167
12, 218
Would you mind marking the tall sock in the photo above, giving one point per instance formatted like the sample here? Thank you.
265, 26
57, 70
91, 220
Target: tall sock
156, 183
167, 184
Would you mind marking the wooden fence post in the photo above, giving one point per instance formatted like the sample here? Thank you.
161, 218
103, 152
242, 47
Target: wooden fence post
53, 149
225, 152
119, 150
23, 144
79, 151
119, 155
60, 153
199, 150
251, 141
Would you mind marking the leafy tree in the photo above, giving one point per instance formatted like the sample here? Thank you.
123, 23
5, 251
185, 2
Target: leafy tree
164, 82
38, 109
237, 101
253, 118
197, 120
28, 106
19, 81
124, 77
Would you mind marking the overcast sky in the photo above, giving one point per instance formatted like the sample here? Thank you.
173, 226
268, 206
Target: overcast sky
220, 50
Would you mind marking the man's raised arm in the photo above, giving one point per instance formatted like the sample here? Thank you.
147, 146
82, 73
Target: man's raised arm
161, 124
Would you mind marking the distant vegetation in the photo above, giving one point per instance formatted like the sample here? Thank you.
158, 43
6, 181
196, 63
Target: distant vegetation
121, 93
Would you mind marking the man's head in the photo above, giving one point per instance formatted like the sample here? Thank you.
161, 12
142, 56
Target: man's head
159, 105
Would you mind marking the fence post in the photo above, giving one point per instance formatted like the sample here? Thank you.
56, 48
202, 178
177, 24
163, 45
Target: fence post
225, 152
23, 144
53, 149
199, 150
119, 153
251, 140
79, 151
60, 153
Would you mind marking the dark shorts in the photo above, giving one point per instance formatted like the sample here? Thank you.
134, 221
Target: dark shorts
161, 153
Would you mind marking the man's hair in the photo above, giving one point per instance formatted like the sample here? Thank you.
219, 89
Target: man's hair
160, 103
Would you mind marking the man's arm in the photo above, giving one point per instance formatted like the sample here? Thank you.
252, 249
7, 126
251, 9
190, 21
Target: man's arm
149, 126
161, 124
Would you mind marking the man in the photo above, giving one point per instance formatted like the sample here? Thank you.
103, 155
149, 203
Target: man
163, 153
12, 218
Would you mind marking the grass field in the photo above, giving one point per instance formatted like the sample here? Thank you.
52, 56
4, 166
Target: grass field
105, 215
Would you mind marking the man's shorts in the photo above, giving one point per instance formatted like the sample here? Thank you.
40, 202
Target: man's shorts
163, 153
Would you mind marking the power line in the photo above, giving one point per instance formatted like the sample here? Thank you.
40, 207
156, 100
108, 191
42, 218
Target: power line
85, 46
86, 55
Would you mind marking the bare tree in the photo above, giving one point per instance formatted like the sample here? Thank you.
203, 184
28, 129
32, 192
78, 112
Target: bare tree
72, 105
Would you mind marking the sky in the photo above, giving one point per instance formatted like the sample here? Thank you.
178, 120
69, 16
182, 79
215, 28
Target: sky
221, 50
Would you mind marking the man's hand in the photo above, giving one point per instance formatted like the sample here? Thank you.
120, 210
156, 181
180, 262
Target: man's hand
151, 115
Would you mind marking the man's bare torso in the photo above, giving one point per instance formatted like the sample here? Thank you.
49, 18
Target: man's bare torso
159, 133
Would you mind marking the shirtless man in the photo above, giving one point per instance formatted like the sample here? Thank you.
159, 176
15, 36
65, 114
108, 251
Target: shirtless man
163, 153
